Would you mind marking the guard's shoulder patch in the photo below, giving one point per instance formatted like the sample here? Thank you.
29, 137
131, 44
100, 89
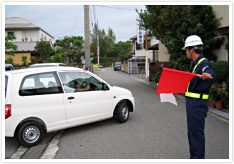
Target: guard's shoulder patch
204, 68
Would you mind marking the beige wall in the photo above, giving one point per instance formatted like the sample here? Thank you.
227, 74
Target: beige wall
163, 55
222, 11
17, 59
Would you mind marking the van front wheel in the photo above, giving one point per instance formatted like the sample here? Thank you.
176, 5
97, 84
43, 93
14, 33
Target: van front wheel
30, 134
122, 112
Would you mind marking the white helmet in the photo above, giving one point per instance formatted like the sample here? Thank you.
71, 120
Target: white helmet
191, 41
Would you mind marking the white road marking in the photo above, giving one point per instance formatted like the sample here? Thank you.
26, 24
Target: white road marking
53, 147
19, 152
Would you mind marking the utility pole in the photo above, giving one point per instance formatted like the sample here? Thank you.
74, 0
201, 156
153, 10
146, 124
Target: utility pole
87, 38
98, 44
146, 55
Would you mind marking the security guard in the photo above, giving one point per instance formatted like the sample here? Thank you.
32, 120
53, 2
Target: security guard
197, 95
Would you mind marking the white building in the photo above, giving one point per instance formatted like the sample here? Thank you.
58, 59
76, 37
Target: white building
156, 50
27, 34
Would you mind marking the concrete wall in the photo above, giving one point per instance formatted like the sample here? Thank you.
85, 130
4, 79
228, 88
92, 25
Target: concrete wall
222, 11
163, 55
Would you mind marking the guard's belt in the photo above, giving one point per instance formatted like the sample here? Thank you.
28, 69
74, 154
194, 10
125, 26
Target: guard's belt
196, 95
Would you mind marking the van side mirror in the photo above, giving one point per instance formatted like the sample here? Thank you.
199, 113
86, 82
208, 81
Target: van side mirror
105, 86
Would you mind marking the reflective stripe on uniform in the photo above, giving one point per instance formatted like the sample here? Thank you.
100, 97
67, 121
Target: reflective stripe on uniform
196, 95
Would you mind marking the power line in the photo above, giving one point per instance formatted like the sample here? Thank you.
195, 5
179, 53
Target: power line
70, 30
76, 21
114, 7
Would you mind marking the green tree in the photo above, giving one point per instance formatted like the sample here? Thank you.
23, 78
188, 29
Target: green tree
172, 24
9, 45
106, 41
109, 50
43, 48
71, 47
58, 58
122, 50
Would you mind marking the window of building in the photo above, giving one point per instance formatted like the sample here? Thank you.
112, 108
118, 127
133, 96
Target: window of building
11, 33
139, 46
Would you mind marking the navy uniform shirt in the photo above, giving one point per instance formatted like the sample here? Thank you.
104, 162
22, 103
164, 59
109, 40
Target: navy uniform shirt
197, 85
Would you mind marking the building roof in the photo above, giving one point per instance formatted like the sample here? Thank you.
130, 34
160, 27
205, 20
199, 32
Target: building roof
24, 46
153, 47
132, 52
20, 23
134, 37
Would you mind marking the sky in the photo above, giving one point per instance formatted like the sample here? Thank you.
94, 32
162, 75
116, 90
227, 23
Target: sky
68, 20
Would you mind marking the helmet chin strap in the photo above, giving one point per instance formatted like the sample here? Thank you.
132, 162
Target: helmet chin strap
191, 59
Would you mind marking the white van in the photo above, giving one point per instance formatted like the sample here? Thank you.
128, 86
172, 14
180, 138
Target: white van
9, 67
40, 100
47, 65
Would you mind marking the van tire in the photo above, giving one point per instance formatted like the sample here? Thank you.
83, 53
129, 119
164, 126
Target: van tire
122, 112
30, 133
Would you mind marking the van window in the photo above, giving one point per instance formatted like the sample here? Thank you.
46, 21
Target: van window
38, 84
79, 81
6, 82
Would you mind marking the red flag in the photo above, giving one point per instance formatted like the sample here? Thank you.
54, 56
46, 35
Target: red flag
174, 81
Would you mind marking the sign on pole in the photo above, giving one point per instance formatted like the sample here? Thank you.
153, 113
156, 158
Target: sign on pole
140, 39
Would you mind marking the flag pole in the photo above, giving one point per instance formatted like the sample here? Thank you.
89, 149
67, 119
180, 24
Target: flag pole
201, 75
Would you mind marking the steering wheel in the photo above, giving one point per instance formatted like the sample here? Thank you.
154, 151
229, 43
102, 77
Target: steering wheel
84, 85
93, 87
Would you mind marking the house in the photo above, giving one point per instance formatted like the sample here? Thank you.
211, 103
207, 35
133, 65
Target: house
156, 50
27, 34
157, 53
222, 11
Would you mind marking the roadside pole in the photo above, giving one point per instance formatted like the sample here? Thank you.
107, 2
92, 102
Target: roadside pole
146, 55
87, 38
98, 44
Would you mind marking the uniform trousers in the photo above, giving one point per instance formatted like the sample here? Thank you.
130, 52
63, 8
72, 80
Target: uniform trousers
196, 113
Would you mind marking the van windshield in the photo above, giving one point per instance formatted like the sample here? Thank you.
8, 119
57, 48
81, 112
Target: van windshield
6, 81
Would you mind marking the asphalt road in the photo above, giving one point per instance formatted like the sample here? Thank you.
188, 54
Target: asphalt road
154, 130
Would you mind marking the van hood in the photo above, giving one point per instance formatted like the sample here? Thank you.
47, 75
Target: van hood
122, 90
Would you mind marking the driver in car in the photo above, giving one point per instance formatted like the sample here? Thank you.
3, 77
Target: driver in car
70, 89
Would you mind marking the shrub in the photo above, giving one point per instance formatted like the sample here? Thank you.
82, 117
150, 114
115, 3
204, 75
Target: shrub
58, 58
10, 61
218, 90
221, 69
156, 78
33, 59
24, 60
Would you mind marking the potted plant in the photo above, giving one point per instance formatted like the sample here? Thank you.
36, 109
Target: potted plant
223, 97
213, 95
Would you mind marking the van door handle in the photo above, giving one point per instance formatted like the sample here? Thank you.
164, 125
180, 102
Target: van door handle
71, 98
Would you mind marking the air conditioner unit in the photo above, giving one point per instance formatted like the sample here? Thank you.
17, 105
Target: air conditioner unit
27, 39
